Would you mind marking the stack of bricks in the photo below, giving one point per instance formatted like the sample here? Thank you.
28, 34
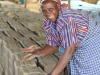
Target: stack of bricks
20, 28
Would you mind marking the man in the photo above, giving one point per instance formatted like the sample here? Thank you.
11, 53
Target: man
72, 31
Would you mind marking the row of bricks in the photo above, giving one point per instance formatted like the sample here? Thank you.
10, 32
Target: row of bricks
46, 63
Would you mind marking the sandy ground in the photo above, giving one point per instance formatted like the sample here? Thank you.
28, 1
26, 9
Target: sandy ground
32, 5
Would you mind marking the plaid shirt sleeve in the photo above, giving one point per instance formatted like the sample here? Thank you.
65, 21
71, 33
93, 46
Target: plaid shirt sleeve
73, 30
68, 32
50, 34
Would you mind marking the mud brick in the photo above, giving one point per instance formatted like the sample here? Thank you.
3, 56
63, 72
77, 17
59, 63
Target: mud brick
12, 33
17, 50
5, 18
28, 70
15, 25
4, 25
2, 62
10, 72
41, 33
47, 63
1, 18
23, 22
23, 71
6, 10
1, 51
13, 45
11, 42
1, 34
6, 60
34, 26
5, 50
29, 62
11, 59
11, 67
10, 21
33, 70
21, 15
12, 54
18, 45
58, 54
17, 65
6, 64
26, 42
1, 70
33, 62
30, 20
6, 72
42, 43
10, 15
18, 26
37, 38
8, 40
19, 57
6, 29
26, 33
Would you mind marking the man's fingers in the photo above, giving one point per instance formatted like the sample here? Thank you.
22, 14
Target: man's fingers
26, 49
25, 59
30, 49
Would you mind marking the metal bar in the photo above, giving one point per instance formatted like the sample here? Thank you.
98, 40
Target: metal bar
69, 7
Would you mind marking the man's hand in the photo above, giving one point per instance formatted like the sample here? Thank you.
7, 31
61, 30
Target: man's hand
35, 51
26, 58
30, 49
30, 56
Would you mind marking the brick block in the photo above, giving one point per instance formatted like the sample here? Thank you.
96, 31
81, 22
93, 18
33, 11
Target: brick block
25, 42
47, 63
6, 72
31, 70
19, 57
6, 64
18, 64
2, 62
12, 33
5, 49
58, 54
11, 67
10, 72
1, 51
1, 70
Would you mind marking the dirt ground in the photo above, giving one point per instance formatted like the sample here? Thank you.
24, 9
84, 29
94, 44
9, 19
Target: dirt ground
32, 5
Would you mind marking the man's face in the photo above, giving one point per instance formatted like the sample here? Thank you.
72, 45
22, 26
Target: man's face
50, 10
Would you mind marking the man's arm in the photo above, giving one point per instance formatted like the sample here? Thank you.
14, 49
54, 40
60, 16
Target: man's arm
46, 50
63, 61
